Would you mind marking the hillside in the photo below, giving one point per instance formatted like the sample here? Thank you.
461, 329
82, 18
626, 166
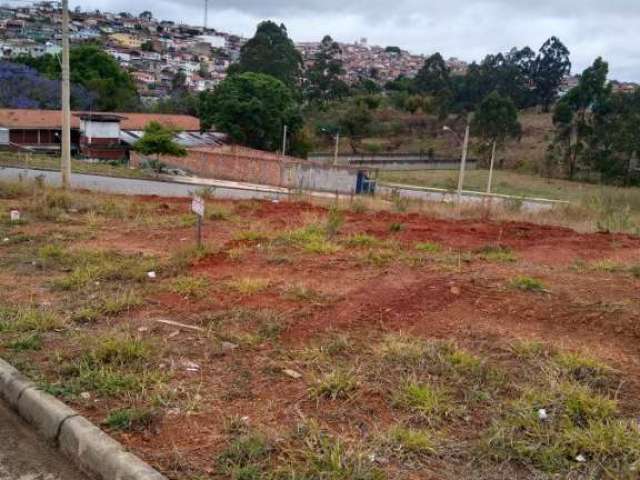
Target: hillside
394, 131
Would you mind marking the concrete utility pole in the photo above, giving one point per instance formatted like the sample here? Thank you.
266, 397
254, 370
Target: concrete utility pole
65, 146
463, 161
493, 160
284, 141
206, 14
336, 150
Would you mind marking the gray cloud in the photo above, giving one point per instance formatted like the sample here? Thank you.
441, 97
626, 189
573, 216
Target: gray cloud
467, 30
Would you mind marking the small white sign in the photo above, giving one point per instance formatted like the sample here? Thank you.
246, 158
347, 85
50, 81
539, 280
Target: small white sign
15, 215
197, 206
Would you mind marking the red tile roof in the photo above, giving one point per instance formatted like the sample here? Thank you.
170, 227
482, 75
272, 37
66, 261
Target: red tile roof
52, 119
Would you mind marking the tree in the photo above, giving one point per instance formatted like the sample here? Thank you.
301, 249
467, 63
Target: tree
323, 80
572, 117
552, 64
495, 121
97, 71
615, 143
159, 140
434, 79
252, 108
508, 74
25, 87
272, 52
356, 123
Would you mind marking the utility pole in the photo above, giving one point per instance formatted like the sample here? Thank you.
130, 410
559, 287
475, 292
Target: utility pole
284, 141
493, 160
65, 146
463, 160
336, 150
206, 14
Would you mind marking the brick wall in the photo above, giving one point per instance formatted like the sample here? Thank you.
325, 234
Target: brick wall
242, 164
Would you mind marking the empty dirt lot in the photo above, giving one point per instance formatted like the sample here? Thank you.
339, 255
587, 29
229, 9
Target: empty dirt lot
306, 342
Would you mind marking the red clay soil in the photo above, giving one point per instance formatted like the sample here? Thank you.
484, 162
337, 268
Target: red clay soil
470, 303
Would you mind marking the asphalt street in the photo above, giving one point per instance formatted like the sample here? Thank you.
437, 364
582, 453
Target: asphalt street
25, 456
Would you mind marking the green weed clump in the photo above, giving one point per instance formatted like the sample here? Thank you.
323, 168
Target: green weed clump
409, 442
115, 366
129, 419
190, 286
430, 402
326, 457
122, 350
428, 247
529, 284
246, 458
29, 319
335, 385
362, 240
88, 267
249, 285
26, 343
585, 370
312, 239
497, 254
108, 305
580, 430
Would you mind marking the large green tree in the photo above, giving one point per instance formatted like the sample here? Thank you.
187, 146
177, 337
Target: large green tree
573, 119
252, 108
615, 143
434, 79
495, 121
323, 79
552, 65
98, 72
271, 52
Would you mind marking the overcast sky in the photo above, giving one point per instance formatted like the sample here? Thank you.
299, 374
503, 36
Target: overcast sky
467, 29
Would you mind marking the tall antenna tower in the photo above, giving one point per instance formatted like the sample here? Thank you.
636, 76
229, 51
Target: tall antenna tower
206, 14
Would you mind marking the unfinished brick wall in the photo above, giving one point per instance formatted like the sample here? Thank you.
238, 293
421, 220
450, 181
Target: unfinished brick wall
241, 164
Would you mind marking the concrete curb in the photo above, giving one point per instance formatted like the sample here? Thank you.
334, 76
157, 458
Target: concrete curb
92, 450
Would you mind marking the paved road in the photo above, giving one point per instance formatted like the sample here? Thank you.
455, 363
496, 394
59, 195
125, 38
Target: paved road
25, 456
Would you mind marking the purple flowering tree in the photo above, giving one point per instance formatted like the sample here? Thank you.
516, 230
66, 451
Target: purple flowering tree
25, 87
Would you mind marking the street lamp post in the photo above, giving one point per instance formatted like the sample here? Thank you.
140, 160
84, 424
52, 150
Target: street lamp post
465, 149
336, 148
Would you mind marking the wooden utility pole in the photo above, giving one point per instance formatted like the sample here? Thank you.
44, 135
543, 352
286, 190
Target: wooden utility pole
65, 147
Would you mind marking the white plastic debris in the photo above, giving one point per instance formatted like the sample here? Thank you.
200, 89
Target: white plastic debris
152, 275
5, 239
542, 414
85, 395
292, 373
15, 215
190, 366
581, 458
227, 346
